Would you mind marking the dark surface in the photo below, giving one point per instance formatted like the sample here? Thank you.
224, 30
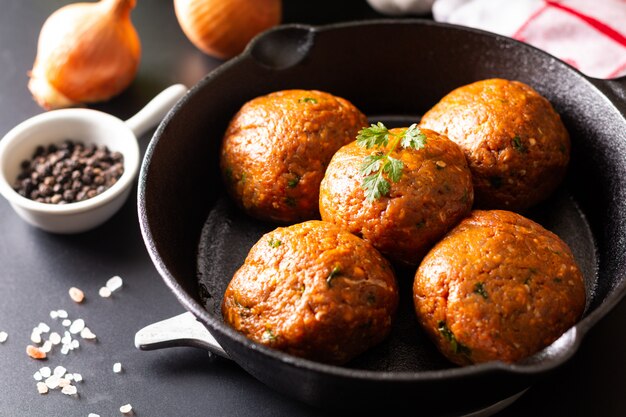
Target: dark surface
38, 268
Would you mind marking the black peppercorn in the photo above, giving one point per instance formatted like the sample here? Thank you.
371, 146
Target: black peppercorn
67, 173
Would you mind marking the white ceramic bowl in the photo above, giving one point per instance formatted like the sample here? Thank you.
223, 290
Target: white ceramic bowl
90, 127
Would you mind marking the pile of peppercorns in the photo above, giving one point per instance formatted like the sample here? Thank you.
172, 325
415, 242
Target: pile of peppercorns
70, 172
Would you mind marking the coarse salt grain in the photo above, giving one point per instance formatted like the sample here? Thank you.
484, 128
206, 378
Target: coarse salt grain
69, 390
125, 409
104, 292
42, 388
3, 337
77, 326
114, 283
59, 378
46, 347
93, 415
45, 371
59, 371
54, 338
76, 294
34, 352
53, 381
87, 334
35, 336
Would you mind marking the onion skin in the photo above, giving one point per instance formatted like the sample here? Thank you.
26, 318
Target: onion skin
223, 28
87, 52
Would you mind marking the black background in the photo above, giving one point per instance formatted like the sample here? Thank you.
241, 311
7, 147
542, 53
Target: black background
37, 269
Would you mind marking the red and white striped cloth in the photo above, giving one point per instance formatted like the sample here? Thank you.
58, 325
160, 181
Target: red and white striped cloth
588, 34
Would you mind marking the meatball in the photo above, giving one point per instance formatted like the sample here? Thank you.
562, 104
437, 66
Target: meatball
515, 143
497, 287
314, 291
433, 193
277, 147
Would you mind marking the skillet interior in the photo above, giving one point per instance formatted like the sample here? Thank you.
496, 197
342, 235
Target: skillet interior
228, 235
399, 68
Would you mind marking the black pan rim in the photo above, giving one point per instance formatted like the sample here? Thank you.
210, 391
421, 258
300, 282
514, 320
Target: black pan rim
188, 301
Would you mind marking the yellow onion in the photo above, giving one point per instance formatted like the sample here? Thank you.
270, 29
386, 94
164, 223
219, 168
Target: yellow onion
222, 28
87, 52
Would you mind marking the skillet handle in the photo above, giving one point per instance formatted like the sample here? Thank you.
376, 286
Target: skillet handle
153, 112
281, 47
181, 330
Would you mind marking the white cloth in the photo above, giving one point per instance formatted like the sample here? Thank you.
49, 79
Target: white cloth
588, 34
401, 7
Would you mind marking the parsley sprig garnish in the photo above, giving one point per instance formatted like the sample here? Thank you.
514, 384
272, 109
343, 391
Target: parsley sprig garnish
380, 166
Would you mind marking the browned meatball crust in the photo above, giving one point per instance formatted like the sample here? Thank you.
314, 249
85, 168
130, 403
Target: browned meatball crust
432, 195
497, 287
516, 145
277, 147
314, 291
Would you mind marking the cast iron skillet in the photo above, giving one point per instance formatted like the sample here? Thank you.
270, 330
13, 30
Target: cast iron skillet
393, 71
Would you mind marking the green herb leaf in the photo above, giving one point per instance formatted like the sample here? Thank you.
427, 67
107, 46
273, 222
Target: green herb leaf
413, 138
375, 186
479, 288
454, 344
269, 336
290, 201
293, 181
371, 164
393, 167
274, 243
307, 100
375, 135
445, 332
518, 145
336, 271
375, 166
